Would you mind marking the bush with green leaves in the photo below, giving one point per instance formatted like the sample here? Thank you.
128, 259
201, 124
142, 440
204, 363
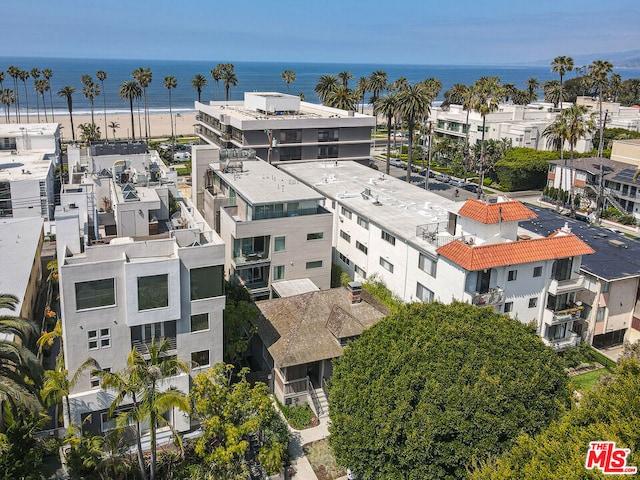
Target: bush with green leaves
298, 415
524, 168
432, 387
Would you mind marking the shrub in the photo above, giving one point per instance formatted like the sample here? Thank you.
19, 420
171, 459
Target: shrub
299, 415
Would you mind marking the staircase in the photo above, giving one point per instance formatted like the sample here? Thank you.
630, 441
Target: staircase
319, 400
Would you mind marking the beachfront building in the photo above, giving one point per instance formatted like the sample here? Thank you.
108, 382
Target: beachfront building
143, 268
29, 154
618, 116
609, 306
281, 128
427, 248
276, 229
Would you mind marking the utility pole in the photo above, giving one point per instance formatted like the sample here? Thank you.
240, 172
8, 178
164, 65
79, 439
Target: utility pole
426, 176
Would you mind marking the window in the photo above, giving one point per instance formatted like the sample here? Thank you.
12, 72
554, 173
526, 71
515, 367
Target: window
533, 302
361, 247
344, 259
95, 379
386, 264
346, 212
278, 272
291, 136
427, 264
200, 359
328, 151
345, 235
96, 293
360, 271
314, 264
508, 307
153, 292
199, 322
423, 293
388, 237
605, 287
315, 236
512, 275
290, 153
537, 271
98, 339
363, 222
601, 314
328, 135
206, 282
143, 334
279, 244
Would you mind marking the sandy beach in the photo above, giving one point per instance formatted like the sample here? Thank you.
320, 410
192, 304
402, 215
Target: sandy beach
160, 126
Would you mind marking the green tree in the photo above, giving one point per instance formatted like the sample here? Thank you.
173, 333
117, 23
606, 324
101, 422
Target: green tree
170, 82
22, 456
144, 76
138, 386
363, 87
326, 84
344, 77
102, 76
239, 313
23, 76
432, 387
561, 65
343, 98
47, 73
7, 98
553, 92
131, 91
67, 93
230, 410
229, 79
113, 126
198, 82
414, 103
35, 74
377, 84
388, 106
216, 74
532, 88
89, 132
41, 86
91, 90
486, 94
288, 76
14, 72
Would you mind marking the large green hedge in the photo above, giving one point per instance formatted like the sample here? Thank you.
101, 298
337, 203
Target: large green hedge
524, 168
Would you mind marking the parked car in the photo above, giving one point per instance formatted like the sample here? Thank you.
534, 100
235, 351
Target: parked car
397, 163
471, 187
423, 172
443, 178
457, 183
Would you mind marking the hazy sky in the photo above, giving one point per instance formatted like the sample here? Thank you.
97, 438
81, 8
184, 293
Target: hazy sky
362, 31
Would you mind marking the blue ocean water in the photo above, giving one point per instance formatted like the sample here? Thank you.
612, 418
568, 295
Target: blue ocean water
252, 76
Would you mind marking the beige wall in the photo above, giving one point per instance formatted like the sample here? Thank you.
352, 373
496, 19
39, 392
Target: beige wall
627, 152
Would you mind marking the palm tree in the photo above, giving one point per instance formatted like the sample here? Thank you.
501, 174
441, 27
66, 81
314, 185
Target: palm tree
102, 76
486, 95
7, 98
216, 74
67, 92
2, 78
24, 75
345, 77
343, 98
561, 65
599, 72
388, 106
432, 87
140, 383
615, 85
42, 86
170, 82
463, 95
363, 86
14, 72
89, 132
144, 77
377, 83
130, 90
289, 76
553, 92
326, 84
414, 103
113, 126
532, 87
556, 134
35, 74
91, 91
229, 78
47, 73
302, 96
198, 82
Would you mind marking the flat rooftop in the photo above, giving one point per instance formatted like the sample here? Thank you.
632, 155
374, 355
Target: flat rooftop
615, 257
614, 171
261, 183
31, 129
29, 165
390, 203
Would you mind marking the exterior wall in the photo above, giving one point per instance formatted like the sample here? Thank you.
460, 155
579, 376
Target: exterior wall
620, 302
627, 152
30, 296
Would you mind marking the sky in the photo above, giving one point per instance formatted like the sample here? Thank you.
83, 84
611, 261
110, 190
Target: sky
429, 32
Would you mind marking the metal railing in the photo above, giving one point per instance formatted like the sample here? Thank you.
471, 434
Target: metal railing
315, 399
143, 347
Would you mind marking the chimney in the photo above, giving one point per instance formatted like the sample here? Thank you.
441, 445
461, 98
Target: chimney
354, 289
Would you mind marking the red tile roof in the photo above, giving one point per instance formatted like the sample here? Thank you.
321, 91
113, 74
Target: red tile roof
509, 211
557, 245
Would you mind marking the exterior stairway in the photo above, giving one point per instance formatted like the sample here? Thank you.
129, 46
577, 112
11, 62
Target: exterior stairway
319, 400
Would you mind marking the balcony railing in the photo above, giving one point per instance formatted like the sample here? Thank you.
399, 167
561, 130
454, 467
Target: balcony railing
558, 287
494, 296
143, 348
251, 257
558, 344
561, 316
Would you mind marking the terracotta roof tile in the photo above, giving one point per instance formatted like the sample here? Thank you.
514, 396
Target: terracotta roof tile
557, 245
509, 211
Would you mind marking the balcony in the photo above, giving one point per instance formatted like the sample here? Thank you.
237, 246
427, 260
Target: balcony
251, 257
143, 347
558, 287
552, 317
494, 296
559, 344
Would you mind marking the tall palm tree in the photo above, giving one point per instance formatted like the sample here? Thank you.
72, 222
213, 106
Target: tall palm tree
388, 106
102, 76
326, 84
42, 86
343, 98
139, 383
229, 78
7, 98
377, 83
561, 65
2, 78
556, 134
363, 86
14, 72
345, 76
47, 73
170, 82
615, 85
130, 90
91, 91
532, 87
35, 74
553, 92
67, 92
24, 75
599, 72
216, 74
486, 96
398, 84
463, 95
432, 87
289, 76
113, 125
415, 103
198, 82
144, 76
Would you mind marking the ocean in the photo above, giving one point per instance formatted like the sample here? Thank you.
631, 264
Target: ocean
252, 76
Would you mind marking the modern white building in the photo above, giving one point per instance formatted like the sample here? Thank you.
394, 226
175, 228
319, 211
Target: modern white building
426, 248
276, 229
282, 128
617, 115
28, 156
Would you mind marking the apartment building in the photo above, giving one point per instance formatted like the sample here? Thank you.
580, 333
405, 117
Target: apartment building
150, 269
427, 248
276, 228
618, 116
281, 128
29, 154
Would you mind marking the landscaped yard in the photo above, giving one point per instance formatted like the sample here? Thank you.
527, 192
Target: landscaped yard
586, 381
321, 459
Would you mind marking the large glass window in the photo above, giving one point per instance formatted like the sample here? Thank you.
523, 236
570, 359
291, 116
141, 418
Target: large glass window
290, 153
388, 237
423, 293
291, 136
199, 322
315, 236
427, 264
278, 272
363, 222
200, 359
345, 236
387, 265
279, 244
328, 151
153, 292
207, 282
314, 264
96, 293
328, 135
361, 247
